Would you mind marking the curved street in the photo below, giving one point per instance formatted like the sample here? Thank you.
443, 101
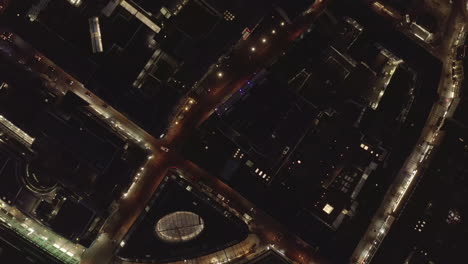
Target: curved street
400, 190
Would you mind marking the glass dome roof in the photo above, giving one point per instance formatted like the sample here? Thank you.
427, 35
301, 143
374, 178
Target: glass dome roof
179, 227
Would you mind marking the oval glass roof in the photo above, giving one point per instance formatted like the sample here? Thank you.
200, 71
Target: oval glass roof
179, 227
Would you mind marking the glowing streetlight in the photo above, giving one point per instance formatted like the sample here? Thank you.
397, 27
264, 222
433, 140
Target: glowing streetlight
220, 74
282, 23
264, 40
252, 49
273, 31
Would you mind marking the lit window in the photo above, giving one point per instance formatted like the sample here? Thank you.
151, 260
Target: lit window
328, 209
75, 2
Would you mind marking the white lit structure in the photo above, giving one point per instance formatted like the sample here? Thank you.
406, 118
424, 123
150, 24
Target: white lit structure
36, 9
421, 33
75, 2
39, 235
139, 13
95, 32
15, 132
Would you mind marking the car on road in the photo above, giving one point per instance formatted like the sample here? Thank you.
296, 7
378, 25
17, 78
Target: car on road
51, 73
165, 149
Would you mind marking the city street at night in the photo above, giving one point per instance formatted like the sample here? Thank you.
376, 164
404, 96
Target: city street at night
207, 131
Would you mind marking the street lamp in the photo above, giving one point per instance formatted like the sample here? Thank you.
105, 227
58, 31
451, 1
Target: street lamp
282, 23
264, 40
252, 49
273, 31
220, 74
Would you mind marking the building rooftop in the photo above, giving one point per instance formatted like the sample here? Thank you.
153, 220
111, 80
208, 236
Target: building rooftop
181, 222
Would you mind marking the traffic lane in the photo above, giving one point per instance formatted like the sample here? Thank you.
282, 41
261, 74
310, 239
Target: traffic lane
273, 233
181, 129
197, 174
305, 21
269, 230
242, 64
130, 207
101, 249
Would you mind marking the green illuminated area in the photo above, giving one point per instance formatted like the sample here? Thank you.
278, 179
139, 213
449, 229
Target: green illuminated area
39, 235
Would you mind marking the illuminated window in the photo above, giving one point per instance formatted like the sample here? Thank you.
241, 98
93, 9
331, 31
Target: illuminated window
75, 2
228, 16
328, 209
165, 12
